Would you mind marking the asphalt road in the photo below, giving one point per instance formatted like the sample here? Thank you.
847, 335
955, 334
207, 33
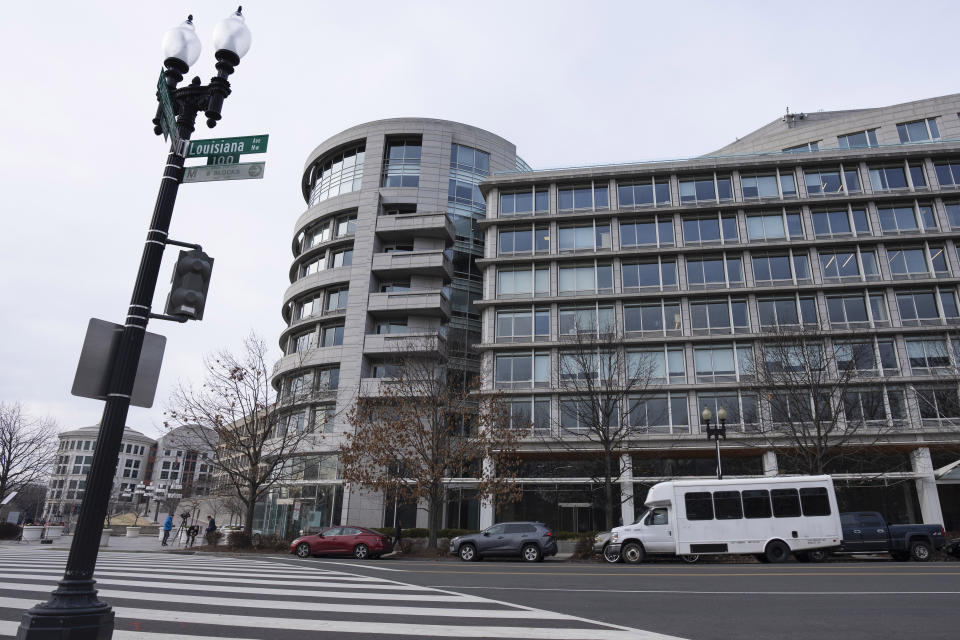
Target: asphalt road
859, 600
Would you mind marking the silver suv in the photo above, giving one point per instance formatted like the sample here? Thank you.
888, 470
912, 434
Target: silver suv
532, 541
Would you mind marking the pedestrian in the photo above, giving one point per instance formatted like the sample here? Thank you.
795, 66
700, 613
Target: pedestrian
167, 527
397, 537
192, 532
211, 529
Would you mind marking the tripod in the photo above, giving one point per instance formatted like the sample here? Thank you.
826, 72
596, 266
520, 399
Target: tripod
184, 517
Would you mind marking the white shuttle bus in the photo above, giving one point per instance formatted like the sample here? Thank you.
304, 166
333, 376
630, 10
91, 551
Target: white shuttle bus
767, 517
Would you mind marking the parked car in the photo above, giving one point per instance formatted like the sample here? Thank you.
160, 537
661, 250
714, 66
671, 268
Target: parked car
532, 541
868, 532
358, 542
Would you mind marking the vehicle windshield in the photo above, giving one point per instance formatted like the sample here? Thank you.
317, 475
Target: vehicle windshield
643, 514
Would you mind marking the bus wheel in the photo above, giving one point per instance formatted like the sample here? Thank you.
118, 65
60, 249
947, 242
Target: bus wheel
777, 551
632, 553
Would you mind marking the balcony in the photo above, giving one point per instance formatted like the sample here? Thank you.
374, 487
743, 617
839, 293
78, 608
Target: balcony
405, 303
401, 264
431, 342
415, 225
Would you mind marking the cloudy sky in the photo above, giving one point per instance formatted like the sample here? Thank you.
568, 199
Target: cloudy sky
571, 83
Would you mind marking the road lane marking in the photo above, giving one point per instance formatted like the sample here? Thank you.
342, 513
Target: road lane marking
723, 593
354, 564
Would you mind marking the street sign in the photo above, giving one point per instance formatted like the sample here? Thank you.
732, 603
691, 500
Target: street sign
168, 121
225, 146
232, 158
96, 362
220, 172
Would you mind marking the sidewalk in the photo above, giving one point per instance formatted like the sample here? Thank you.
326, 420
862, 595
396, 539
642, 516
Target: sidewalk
140, 544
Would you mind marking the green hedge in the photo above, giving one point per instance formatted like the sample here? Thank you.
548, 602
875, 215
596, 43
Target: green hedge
419, 532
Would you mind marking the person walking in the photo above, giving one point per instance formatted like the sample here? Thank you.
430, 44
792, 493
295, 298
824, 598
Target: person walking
167, 527
397, 537
211, 529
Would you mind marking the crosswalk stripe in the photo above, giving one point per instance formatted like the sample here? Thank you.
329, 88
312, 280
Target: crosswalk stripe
271, 600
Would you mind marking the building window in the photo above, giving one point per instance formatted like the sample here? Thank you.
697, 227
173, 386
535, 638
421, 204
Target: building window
591, 320
778, 269
906, 219
651, 232
948, 174
401, 163
822, 182
328, 378
854, 311
723, 363
590, 237
343, 258
658, 413
332, 336
298, 387
842, 222
81, 465
741, 408
918, 130
345, 226
523, 325
924, 308
594, 197
718, 229
705, 190
395, 286
774, 226
392, 327
658, 365
659, 273
530, 415
522, 203
867, 357
585, 279
469, 159
725, 316
338, 173
522, 370
323, 418
806, 147
523, 282
299, 343
953, 214
787, 312
524, 240
851, 264
131, 468
653, 192
337, 300
888, 178
927, 356
939, 406
584, 365
858, 140
759, 186
921, 262
869, 406
714, 272
653, 318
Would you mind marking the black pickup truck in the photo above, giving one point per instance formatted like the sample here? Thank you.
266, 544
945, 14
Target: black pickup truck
868, 532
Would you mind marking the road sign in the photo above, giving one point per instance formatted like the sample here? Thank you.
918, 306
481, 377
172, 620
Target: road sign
232, 158
220, 172
168, 121
96, 363
226, 146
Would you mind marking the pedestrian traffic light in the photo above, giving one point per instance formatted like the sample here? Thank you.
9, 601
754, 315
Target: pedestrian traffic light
191, 278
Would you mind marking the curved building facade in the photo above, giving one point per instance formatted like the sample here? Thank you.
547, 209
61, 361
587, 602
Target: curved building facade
383, 256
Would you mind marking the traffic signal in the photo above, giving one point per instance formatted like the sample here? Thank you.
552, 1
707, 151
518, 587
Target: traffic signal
191, 278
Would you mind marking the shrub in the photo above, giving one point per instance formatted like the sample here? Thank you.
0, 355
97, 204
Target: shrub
271, 542
584, 548
453, 533
238, 540
574, 535
9, 531
213, 538
415, 532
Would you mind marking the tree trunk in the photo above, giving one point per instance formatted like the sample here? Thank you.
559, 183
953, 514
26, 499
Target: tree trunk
608, 489
250, 506
434, 506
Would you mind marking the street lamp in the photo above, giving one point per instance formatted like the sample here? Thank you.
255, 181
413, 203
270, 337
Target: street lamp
73, 609
716, 432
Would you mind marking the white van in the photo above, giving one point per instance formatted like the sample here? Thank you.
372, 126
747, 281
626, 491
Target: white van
768, 517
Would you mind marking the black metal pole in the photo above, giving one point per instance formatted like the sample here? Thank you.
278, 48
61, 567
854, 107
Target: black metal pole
719, 468
73, 610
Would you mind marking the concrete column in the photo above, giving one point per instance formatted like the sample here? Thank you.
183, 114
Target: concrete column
626, 489
486, 505
770, 467
926, 486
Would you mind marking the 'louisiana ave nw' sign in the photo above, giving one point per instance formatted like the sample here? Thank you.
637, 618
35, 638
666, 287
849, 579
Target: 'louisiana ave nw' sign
228, 146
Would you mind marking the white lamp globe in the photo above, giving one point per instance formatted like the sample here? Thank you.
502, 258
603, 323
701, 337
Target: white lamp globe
232, 34
182, 43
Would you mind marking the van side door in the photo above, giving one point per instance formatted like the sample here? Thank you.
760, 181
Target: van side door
658, 532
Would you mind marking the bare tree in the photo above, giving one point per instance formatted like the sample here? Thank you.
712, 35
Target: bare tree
27, 448
424, 426
824, 404
251, 432
606, 396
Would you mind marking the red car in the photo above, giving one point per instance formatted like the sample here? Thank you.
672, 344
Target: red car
343, 541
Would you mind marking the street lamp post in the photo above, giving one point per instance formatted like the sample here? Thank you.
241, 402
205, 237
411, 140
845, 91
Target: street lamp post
716, 432
73, 610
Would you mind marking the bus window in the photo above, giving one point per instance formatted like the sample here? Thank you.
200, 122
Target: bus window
657, 517
756, 503
786, 503
815, 501
726, 504
699, 506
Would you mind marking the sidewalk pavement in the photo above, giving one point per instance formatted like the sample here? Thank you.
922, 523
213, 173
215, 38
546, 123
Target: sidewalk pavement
140, 544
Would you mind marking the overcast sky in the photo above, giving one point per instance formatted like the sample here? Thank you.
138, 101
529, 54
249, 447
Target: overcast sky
570, 83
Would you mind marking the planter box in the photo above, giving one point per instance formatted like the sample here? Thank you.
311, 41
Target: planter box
105, 538
54, 531
133, 532
31, 533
